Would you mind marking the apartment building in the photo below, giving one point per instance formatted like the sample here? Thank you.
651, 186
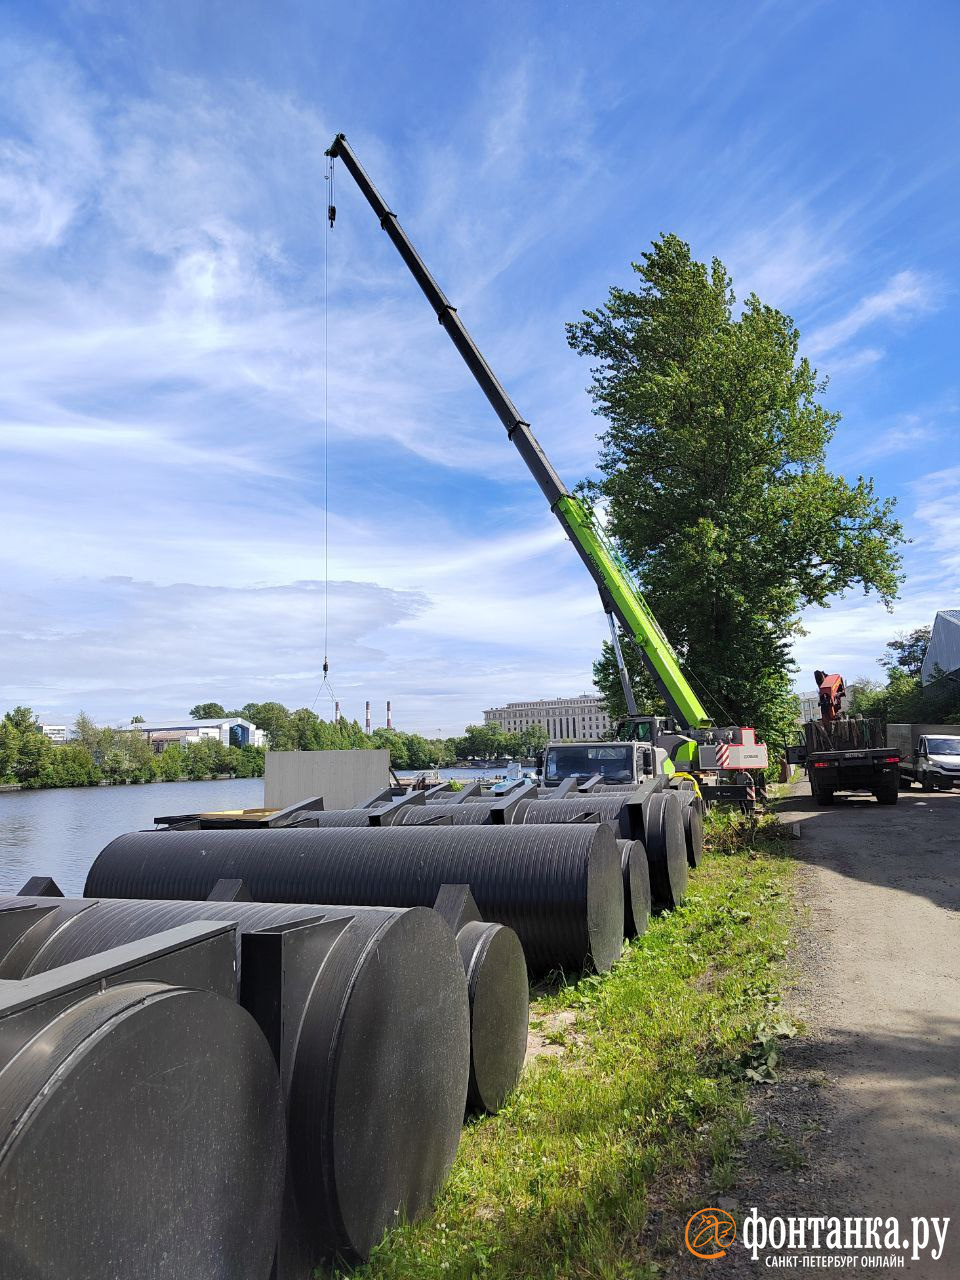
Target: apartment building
582, 717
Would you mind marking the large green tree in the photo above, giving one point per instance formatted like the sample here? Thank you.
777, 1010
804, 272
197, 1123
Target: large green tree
713, 475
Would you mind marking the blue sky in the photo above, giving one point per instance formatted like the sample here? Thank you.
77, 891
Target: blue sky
162, 254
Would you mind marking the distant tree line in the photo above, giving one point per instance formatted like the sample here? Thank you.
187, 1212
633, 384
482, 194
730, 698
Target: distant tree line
304, 730
96, 754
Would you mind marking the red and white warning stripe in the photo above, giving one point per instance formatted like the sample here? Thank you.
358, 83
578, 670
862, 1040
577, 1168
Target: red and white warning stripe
723, 755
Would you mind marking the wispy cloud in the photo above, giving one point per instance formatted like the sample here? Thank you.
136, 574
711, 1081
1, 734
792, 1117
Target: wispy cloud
906, 295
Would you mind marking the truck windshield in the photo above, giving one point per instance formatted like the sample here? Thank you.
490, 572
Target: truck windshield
943, 746
614, 761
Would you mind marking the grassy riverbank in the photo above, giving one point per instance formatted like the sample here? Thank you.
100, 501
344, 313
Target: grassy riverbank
648, 1075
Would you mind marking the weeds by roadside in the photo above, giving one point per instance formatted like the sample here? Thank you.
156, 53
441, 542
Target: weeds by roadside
653, 1066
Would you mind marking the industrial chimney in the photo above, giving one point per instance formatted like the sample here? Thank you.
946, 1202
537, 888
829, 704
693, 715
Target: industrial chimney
367, 722
336, 713
389, 717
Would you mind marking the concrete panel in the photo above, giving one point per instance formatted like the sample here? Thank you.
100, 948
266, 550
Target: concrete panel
343, 778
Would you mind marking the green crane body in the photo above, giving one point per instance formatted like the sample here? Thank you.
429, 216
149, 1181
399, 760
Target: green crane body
618, 593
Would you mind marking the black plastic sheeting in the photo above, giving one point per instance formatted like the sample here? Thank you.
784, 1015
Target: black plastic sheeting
666, 846
375, 1067
636, 887
558, 887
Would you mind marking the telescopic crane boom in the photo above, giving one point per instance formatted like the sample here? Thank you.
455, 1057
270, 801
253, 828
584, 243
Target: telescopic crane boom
618, 593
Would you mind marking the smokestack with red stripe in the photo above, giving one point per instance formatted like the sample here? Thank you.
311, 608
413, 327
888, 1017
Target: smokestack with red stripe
389, 717
367, 722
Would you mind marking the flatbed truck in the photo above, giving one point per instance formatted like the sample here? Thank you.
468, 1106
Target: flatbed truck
850, 756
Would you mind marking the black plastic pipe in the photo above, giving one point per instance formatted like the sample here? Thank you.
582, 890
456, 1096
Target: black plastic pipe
374, 1049
558, 887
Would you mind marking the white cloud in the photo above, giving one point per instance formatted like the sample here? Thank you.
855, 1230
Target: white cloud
906, 295
784, 259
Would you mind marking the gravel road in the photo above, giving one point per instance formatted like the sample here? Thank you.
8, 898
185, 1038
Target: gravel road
866, 1117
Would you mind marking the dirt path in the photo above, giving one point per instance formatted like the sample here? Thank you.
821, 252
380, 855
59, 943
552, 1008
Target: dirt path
866, 1117
883, 887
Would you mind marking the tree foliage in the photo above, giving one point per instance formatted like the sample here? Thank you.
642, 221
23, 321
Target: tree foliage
207, 711
907, 652
486, 742
714, 480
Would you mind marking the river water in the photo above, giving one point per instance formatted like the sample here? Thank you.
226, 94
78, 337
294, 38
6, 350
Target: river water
59, 832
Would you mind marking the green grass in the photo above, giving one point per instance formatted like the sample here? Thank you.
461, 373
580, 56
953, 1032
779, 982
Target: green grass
651, 1082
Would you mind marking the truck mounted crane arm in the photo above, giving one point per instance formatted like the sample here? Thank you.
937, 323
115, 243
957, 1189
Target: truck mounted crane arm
618, 593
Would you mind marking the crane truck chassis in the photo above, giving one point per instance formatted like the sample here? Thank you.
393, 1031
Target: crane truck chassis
687, 741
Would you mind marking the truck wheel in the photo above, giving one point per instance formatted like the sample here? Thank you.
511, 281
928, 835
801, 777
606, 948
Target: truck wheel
887, 794
823, 797
905, 782
926, 782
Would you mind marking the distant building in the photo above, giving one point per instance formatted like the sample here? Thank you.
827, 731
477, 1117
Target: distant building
582, 717
55, 732
943, 651
810, 706
232, 731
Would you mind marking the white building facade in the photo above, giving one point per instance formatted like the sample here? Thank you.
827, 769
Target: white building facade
581, 718
55, 732
232, 731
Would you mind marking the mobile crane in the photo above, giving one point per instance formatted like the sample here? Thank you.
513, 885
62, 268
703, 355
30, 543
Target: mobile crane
687, 740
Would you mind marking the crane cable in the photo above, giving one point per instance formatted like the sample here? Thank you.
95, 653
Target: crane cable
328, 227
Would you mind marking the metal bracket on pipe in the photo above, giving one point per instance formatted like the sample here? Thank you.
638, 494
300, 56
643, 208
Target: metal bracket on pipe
386, 815
229, 891
385, 796
471, 789
41, 887
502, 809
441, 789
456, 905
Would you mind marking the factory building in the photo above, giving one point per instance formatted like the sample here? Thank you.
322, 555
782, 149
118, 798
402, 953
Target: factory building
582, 717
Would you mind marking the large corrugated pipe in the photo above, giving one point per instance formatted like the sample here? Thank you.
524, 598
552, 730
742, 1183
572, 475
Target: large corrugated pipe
666, 848
559, 888
499, 1011
374, 1050
472, 813
610, 809
636, 887
692, 808
491, 954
